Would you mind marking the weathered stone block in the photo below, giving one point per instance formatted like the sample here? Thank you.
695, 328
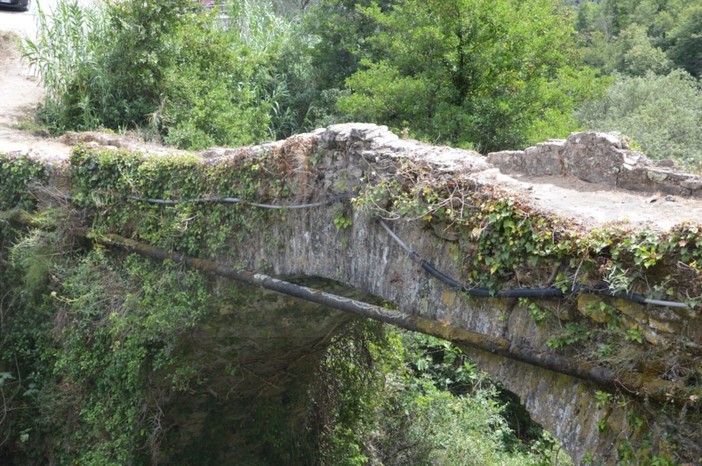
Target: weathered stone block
635, 178
656, 175
655, 338
559, 309
663, 314
593, 157
694, 330
601, 158
589, 305
631, 309
692, 184
508, 161
665, 327
543, 159
631, 324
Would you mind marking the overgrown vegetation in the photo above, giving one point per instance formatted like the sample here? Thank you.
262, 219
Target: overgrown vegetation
505, 241
466, 73
398, 399
94, 344
162, 67
502, 244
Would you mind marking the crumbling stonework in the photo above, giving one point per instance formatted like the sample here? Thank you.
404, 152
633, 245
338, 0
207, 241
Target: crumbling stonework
598, 158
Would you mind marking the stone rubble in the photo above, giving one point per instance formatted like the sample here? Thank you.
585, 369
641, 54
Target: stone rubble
601, 158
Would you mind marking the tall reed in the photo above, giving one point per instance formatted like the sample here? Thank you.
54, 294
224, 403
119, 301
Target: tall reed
65, 46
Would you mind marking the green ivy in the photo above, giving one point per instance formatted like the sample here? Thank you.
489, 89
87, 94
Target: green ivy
105, 180
17, 175
500, 239
121, 323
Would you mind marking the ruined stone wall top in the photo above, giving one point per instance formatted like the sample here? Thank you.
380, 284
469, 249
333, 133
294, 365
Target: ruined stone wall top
599, 158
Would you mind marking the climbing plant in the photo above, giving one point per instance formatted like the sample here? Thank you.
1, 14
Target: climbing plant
501, 243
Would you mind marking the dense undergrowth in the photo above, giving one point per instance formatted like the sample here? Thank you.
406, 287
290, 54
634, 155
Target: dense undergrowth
435, 407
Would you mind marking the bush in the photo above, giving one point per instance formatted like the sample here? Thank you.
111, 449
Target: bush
166, 66
396, 398
663, 114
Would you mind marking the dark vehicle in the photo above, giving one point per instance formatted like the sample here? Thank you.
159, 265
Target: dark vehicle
22, 5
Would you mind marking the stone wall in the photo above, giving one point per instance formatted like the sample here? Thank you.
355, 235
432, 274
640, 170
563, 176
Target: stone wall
599, 158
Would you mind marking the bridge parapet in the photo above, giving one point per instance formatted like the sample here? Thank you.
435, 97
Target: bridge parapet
599, 158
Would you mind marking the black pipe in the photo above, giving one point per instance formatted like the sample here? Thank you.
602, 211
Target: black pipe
535, 293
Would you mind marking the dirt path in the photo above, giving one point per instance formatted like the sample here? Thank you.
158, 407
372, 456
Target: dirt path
20, 93
593, 205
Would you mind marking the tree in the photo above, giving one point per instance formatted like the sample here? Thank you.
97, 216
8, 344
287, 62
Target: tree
633, 37
686, 38
663, 114
341, 32
636, 56
488, 74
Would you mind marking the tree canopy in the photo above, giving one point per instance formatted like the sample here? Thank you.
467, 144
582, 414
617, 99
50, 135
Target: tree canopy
488, 74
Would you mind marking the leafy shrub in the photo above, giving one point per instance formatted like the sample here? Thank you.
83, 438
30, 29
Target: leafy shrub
662, 113
107, 332
396, 398
162, 65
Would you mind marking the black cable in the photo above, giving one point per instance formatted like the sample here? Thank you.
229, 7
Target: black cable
236, 200
546, 292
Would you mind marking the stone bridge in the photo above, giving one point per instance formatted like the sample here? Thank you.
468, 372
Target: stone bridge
567, 271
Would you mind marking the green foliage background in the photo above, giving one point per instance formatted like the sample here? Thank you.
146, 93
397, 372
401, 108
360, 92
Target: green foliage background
489, 75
